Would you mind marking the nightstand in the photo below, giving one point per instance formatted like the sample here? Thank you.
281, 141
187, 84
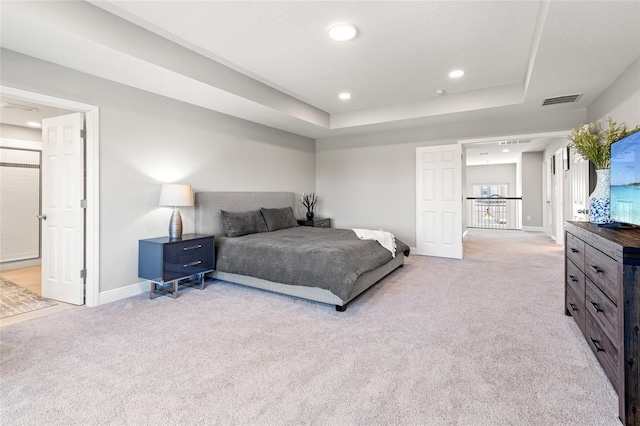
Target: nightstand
316, 222
170, 263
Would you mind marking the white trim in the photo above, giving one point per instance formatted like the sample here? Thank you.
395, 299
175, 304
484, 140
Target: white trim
92, 242
533, 228
558, 134
123, 292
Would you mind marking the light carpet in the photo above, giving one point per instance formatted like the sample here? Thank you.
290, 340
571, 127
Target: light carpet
479, 341
16, 300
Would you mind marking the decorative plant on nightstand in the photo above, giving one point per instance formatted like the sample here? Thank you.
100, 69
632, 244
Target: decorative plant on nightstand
309, 201
593, 143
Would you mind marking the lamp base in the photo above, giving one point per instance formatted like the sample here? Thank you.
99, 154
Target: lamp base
175, 225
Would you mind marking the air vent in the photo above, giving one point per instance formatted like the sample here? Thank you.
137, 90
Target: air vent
483, 153
515, 142
562, 99
18, 107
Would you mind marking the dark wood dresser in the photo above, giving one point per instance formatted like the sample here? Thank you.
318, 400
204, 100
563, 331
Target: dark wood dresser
602, 293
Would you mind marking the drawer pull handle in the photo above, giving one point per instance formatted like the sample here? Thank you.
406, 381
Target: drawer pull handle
597, 345
574, 250
598, 309
573, 279
192, 247
573, 307
197, 262
597, 269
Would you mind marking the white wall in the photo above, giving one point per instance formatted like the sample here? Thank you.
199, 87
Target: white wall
368, 180
22, 133
146, 139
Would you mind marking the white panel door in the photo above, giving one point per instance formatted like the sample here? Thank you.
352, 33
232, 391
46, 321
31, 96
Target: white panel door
579, 176
63, 215
439, 201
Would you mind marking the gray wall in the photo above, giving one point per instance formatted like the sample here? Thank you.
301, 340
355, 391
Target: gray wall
369, 179
492, 175
621, 100
532, 189
146, 139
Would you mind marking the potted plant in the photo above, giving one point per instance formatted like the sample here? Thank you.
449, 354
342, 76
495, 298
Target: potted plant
593, 143
309, 201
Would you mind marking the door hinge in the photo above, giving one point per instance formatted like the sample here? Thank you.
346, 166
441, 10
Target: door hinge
83, 134
83, 273
83, 204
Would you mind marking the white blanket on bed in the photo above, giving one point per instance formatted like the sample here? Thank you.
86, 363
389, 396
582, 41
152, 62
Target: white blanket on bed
386, 239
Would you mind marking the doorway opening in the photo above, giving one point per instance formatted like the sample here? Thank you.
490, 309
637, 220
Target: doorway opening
91, 246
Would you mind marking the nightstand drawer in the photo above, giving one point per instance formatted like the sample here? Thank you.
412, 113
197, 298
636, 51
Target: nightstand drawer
575, 250
575, 280
188, 247
603, 271
189, 264
318, 223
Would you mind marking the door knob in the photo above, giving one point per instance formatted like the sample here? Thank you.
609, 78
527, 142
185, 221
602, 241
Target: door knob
42, 216
583, 211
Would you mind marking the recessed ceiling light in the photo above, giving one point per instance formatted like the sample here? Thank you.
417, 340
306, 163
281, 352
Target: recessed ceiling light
505, 150
342, 31
440, 92
456, 74
34, 124
345, 96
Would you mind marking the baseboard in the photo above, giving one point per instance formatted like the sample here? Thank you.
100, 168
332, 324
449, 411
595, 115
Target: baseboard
123, 292
17, 264
533, 228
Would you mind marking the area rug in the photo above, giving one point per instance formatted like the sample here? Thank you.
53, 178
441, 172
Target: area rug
16, 300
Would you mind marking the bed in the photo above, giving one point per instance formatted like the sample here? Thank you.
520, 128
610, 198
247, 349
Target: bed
331, 266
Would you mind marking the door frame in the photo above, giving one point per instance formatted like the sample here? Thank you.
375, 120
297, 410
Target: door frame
546, 204
92, 155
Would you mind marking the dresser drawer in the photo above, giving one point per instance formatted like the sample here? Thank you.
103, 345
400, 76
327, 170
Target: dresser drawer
603, 271
187, 247
604, 350
575, 280
576, 309
602, 310
190, 264
574, 249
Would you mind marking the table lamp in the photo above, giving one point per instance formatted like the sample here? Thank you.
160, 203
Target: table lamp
176, 195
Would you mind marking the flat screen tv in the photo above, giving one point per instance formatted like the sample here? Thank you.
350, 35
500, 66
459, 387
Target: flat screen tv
625, 180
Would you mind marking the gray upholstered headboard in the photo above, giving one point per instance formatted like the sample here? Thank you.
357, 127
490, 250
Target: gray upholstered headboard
209, 204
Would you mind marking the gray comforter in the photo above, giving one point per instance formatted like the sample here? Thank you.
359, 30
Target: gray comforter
331, 259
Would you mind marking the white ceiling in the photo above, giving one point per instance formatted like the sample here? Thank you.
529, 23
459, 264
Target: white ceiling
271, 62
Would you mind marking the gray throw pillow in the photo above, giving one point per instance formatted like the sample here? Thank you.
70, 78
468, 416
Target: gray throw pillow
279, 218
243, 223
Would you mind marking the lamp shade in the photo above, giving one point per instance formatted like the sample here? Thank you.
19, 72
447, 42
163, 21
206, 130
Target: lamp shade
176, 195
